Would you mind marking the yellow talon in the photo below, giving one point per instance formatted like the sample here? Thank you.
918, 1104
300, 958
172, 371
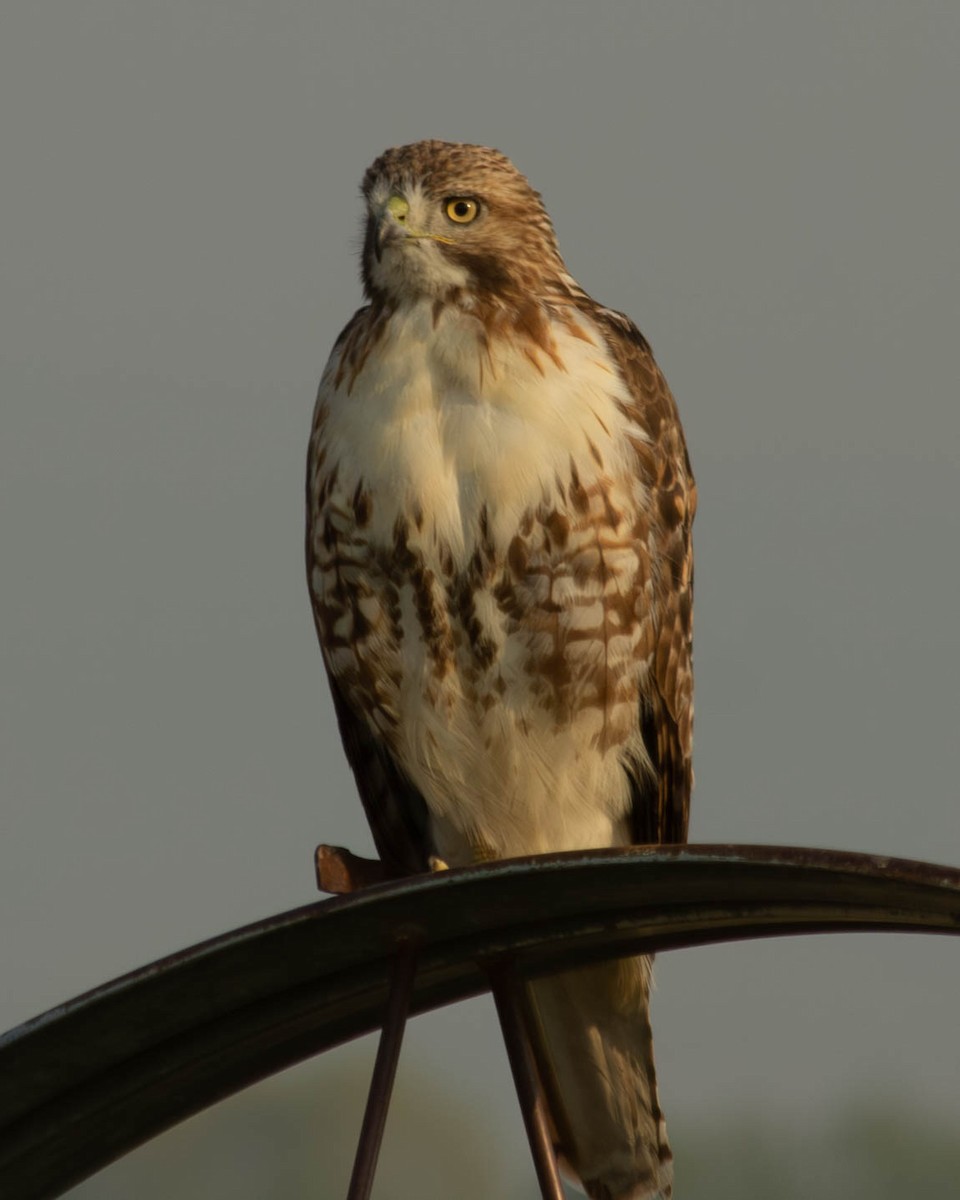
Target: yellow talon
437, 864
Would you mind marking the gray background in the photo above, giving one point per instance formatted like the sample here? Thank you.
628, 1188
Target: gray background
770, 190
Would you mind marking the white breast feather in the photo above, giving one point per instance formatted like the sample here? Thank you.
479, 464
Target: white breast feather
435, 422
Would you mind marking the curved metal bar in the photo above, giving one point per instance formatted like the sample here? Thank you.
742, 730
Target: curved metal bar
87, 1081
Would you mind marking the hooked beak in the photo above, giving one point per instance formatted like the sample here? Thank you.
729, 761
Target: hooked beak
392, 225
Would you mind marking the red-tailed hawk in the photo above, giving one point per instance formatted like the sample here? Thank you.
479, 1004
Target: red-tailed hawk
499, 504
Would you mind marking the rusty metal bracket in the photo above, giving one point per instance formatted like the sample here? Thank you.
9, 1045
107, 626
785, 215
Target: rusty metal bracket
87, 1081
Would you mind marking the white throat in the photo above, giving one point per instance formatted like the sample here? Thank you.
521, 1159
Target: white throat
442, 423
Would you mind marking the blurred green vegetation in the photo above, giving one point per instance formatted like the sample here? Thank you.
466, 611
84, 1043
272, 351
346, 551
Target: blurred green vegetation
292, 1138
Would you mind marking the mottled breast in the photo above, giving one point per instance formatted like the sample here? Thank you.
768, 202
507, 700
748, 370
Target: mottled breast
480, 549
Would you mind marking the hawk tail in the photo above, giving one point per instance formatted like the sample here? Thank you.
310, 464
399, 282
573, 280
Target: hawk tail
595, 1050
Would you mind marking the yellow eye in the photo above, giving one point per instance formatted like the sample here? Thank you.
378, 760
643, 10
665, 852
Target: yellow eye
461, 209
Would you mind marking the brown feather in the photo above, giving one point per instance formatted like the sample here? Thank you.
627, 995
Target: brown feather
600, 561
664, 466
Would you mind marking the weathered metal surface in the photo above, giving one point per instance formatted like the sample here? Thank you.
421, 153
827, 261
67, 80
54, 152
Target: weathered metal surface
87, 1081
515, 1027
339, 872
384, 1072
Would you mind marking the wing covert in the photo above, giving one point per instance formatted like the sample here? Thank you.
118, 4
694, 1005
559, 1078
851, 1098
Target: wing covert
661, 804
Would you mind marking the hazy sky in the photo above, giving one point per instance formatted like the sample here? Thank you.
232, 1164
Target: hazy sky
770, 190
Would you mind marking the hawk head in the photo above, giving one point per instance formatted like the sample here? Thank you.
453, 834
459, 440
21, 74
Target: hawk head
447, 219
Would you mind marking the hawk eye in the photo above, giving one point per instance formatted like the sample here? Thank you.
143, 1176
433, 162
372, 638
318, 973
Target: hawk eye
461, 209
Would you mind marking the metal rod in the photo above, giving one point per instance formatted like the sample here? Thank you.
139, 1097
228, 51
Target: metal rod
510, 1010
384, 1072
314, 977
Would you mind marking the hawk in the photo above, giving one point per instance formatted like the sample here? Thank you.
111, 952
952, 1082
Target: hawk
499, 506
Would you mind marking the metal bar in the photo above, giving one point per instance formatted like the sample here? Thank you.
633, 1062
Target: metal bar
339, 872
89, 1080
384, 1072
516, 1037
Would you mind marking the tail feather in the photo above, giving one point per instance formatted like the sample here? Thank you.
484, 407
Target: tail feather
596, 1056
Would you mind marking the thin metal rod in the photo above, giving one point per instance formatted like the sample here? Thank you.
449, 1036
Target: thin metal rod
384, 1072
510, 1009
